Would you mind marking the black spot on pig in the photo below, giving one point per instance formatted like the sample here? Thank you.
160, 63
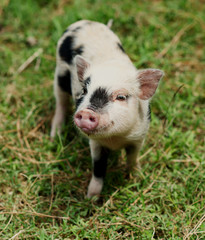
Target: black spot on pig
64, 82
83, 93
87, 81
78, 101
77, 51
67, 51
99, 98
120, 47
100, 163
149, 113
85, 87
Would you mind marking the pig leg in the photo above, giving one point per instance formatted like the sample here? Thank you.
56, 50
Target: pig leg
62, 101
132, 152
99, 156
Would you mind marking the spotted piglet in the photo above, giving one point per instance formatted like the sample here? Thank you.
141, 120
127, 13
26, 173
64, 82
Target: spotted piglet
111, 95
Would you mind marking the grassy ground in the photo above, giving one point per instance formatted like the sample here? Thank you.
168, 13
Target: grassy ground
43, 183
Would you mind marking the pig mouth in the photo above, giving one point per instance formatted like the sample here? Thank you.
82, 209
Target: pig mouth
86, 130
102, 130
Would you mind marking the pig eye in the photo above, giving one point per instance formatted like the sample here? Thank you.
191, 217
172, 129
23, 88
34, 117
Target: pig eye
121, 97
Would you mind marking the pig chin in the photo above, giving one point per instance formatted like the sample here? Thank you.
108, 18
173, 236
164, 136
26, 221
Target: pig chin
107, 131
97, 133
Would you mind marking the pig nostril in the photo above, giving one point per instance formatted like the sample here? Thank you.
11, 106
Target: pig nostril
92, 119
79, 116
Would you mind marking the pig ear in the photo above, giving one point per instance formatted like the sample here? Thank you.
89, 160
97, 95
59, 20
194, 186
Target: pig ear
82, 65
148, 80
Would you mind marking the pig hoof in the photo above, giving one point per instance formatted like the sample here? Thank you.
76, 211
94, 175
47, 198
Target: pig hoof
95, 187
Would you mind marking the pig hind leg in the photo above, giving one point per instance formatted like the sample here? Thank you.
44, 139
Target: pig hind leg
62, 101
132, 152
99, 156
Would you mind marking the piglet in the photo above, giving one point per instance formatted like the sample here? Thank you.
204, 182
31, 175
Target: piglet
111, 96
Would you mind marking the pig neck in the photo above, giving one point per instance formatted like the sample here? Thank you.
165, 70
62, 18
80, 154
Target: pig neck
114, 142
118, 142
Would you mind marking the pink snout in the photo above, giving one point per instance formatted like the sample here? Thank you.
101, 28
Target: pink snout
87, 120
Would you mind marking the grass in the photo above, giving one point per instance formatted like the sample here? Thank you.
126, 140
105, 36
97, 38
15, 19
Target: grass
43, 184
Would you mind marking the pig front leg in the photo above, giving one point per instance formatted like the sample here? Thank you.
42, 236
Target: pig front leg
132, 152
99, 156
62, 101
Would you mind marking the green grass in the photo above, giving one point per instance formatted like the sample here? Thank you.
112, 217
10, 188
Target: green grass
43, 184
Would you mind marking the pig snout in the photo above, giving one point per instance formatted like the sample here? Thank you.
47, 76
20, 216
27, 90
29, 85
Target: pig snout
87, 120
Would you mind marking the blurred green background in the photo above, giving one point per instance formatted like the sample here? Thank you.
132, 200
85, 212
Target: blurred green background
43, 184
